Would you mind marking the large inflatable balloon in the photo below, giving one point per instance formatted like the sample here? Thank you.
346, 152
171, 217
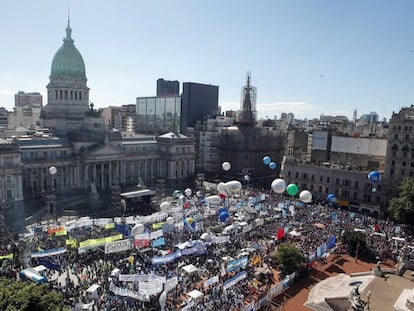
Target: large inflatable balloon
198, 194
138, 229
292, 189
221, 188
305, 196
272, 165
374, 176
226, 166
267, 160
233, 185
213, 199
278, 185
170, 220
164, 206
177, 193
223, 216
188, 192
331, 198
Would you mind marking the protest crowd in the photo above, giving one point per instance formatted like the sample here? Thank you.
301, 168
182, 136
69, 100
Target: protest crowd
196, 253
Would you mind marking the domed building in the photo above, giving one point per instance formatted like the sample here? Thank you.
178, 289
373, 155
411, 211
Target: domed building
68, 109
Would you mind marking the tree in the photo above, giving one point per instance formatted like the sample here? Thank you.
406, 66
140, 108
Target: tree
401, 208
289, 257
355, 241
21, 295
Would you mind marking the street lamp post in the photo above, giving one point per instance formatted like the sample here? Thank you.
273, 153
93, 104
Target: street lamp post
51, 197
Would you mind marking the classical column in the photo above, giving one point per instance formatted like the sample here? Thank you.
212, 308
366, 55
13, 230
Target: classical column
42, 188
102, 175
110, 174
94, 173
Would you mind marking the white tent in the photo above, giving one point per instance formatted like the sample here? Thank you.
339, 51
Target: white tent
195, 294
190, 269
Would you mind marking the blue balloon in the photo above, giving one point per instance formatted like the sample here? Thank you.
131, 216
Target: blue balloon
374, 176
224, 216
331, 198
267, 160
221, 210
272, 165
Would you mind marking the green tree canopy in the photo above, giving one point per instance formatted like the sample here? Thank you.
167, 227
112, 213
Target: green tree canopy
24, 296
401, 208
355, 241
289, 257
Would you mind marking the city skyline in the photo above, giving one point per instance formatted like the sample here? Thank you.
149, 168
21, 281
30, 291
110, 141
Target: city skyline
305, 57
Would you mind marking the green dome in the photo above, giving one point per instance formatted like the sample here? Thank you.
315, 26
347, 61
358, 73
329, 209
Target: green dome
68, 62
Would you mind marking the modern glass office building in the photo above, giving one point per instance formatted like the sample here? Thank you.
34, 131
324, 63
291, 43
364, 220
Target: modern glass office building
158, 115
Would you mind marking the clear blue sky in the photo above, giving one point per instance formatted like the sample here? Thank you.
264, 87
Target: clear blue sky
305, 56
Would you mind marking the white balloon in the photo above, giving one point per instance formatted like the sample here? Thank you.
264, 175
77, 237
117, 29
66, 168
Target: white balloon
278, 185
52, 170
233, 185
170, 220
214, 199
199, 194
221, 188
226, 166
164, 206
188, 192
138, 229
305, 196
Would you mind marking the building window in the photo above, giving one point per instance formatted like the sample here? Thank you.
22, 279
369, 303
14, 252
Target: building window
321, 178
296, 174
71, 95
312, 177
328, 180
289, 174
76, 95
320, 189
327, 190
57, 94
392, 172
393, 162
311, 187
356, 184
402, 172
355, 195
395, 136
61, 94
80, 95
66, 94
404, 163
337, 181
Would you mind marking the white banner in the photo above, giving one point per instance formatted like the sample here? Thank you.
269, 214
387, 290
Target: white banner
220, 239
117, 246
128, 293
156, 234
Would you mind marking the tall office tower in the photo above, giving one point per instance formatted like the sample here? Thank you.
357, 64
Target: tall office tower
167, 88
247, 113
198, 101
32, 100
400, 149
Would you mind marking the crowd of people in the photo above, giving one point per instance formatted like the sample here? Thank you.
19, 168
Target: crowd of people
232, 259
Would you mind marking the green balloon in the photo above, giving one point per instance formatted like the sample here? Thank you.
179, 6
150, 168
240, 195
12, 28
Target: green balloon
292, 189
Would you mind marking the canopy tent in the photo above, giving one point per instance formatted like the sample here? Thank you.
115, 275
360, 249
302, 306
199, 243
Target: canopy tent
195, 294
190, 269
